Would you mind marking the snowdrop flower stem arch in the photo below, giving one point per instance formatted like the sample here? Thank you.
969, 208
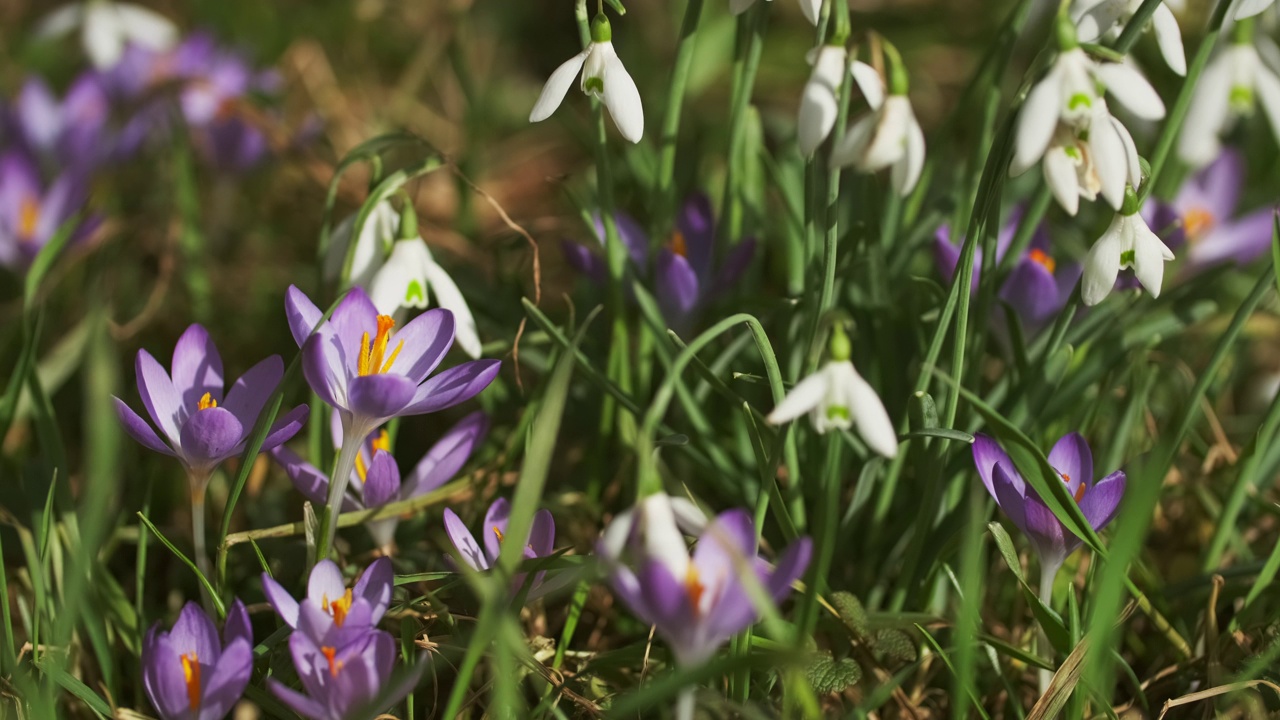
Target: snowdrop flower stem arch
1136, 25
649, 481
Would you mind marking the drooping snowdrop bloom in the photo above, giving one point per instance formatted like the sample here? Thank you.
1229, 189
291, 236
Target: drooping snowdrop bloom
31, 213
1073, 461
810, 8
1127, 243
1103, 163
887, 137
379, 232
819, 104
695, 601
404, 281
1203, 217
369, 373
603, 76
836, 397
188, 674
1069, 95
539, 544
376, 479
348, 682
332, 613
1097, 18
1232, 86
107, 27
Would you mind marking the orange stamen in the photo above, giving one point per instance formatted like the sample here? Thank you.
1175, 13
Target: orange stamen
206, 402
338, 608
1042, 259
334, 664
191, 673
372, 354
497, 532
1196, 221
28, 218
1080, 493
693, 585
678, 244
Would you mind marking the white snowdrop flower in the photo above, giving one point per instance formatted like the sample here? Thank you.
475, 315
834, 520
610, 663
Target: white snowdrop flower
819, 104
1097, 18
1235, 81
405, 280
380, 230
888, 136
107, 27
811, 8
1248, 8
1127, 243
836, 397
1068, 94
603, 76
1104, 164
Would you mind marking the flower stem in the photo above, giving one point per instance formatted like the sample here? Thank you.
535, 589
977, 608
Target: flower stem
199, 485
352, 438
675, 104
685, 704
818, 580
751, 27
1047, 573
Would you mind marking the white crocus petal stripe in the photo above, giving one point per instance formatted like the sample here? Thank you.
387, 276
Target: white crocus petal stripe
1249, 8
558, 86
1127, 242
811, 9
603, 76
818, 104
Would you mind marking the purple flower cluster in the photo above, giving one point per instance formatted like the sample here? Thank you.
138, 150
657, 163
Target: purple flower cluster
189, 674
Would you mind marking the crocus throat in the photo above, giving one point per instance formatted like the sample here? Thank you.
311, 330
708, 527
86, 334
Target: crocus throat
678, 244
381, 442
337, 608
334, 664
191, 674
1042, 259
206, 402
1195, 222
694, 587
28, 218
372, 354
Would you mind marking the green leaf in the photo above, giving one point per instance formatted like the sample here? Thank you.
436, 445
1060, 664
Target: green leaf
1004, 543
827, 675
942, 433
895, 644
852, 613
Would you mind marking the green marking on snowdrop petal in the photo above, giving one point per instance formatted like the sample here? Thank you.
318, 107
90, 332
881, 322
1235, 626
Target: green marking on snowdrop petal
1126, 258
593, 85
415, 292
1241, 98
1079, 100
838, 412
1072, 152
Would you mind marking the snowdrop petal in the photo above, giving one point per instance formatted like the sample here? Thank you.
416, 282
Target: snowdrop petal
1060, 175
818, 107
870, 416
623, 99
557, 87
60, 21
853, 144
1169, 38
1037, 120
450, 298
906, 172
889, 140
805, 396
145, 27
1132, 163
1102, 264
811, 9
1109, 161
1198, 143
869, 82
1131, 89
1267, 87
1149, 255
1249, 8
102, 36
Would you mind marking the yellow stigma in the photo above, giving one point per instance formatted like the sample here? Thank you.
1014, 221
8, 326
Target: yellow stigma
338, 608
1042, 259
191, 673
381, 442
694, 587
28, 218
1196, 221
206, 402
334, 664
678, 244
372, 353
497, 532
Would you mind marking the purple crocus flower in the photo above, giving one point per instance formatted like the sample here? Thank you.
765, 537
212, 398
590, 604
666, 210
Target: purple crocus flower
344, 683
70, 131
1203, 217
684, 273
1036, 289
200, 426
188, 674
698, 601
539, 544
376, 480
1073, 461
31, 213
331, 613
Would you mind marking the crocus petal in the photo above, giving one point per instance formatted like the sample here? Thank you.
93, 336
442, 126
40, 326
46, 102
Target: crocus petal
354, 316
322, 366
1073, 460
1130, 89
1242, 241
987, 453
557, 86
623, 99
453, 386
197, 367
791, 565
726, 547
374, 586
138, 428
195, 633
313, 484
542, 535
302, 314
326, 581
251, 391
1169, 37
237, 624
1037, 120
805, 396
283, 603
296, 701
632, 235
733, 267
1217, 187
158, 396
495, 520
464, 542
665, 597
427, 338
1101, 502
211, 435
1032, 293
379, 396
224, 686
580, 258
162, 676
677, 285
448, 455
382, 483
1009, 494
285, 427
1053, 541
